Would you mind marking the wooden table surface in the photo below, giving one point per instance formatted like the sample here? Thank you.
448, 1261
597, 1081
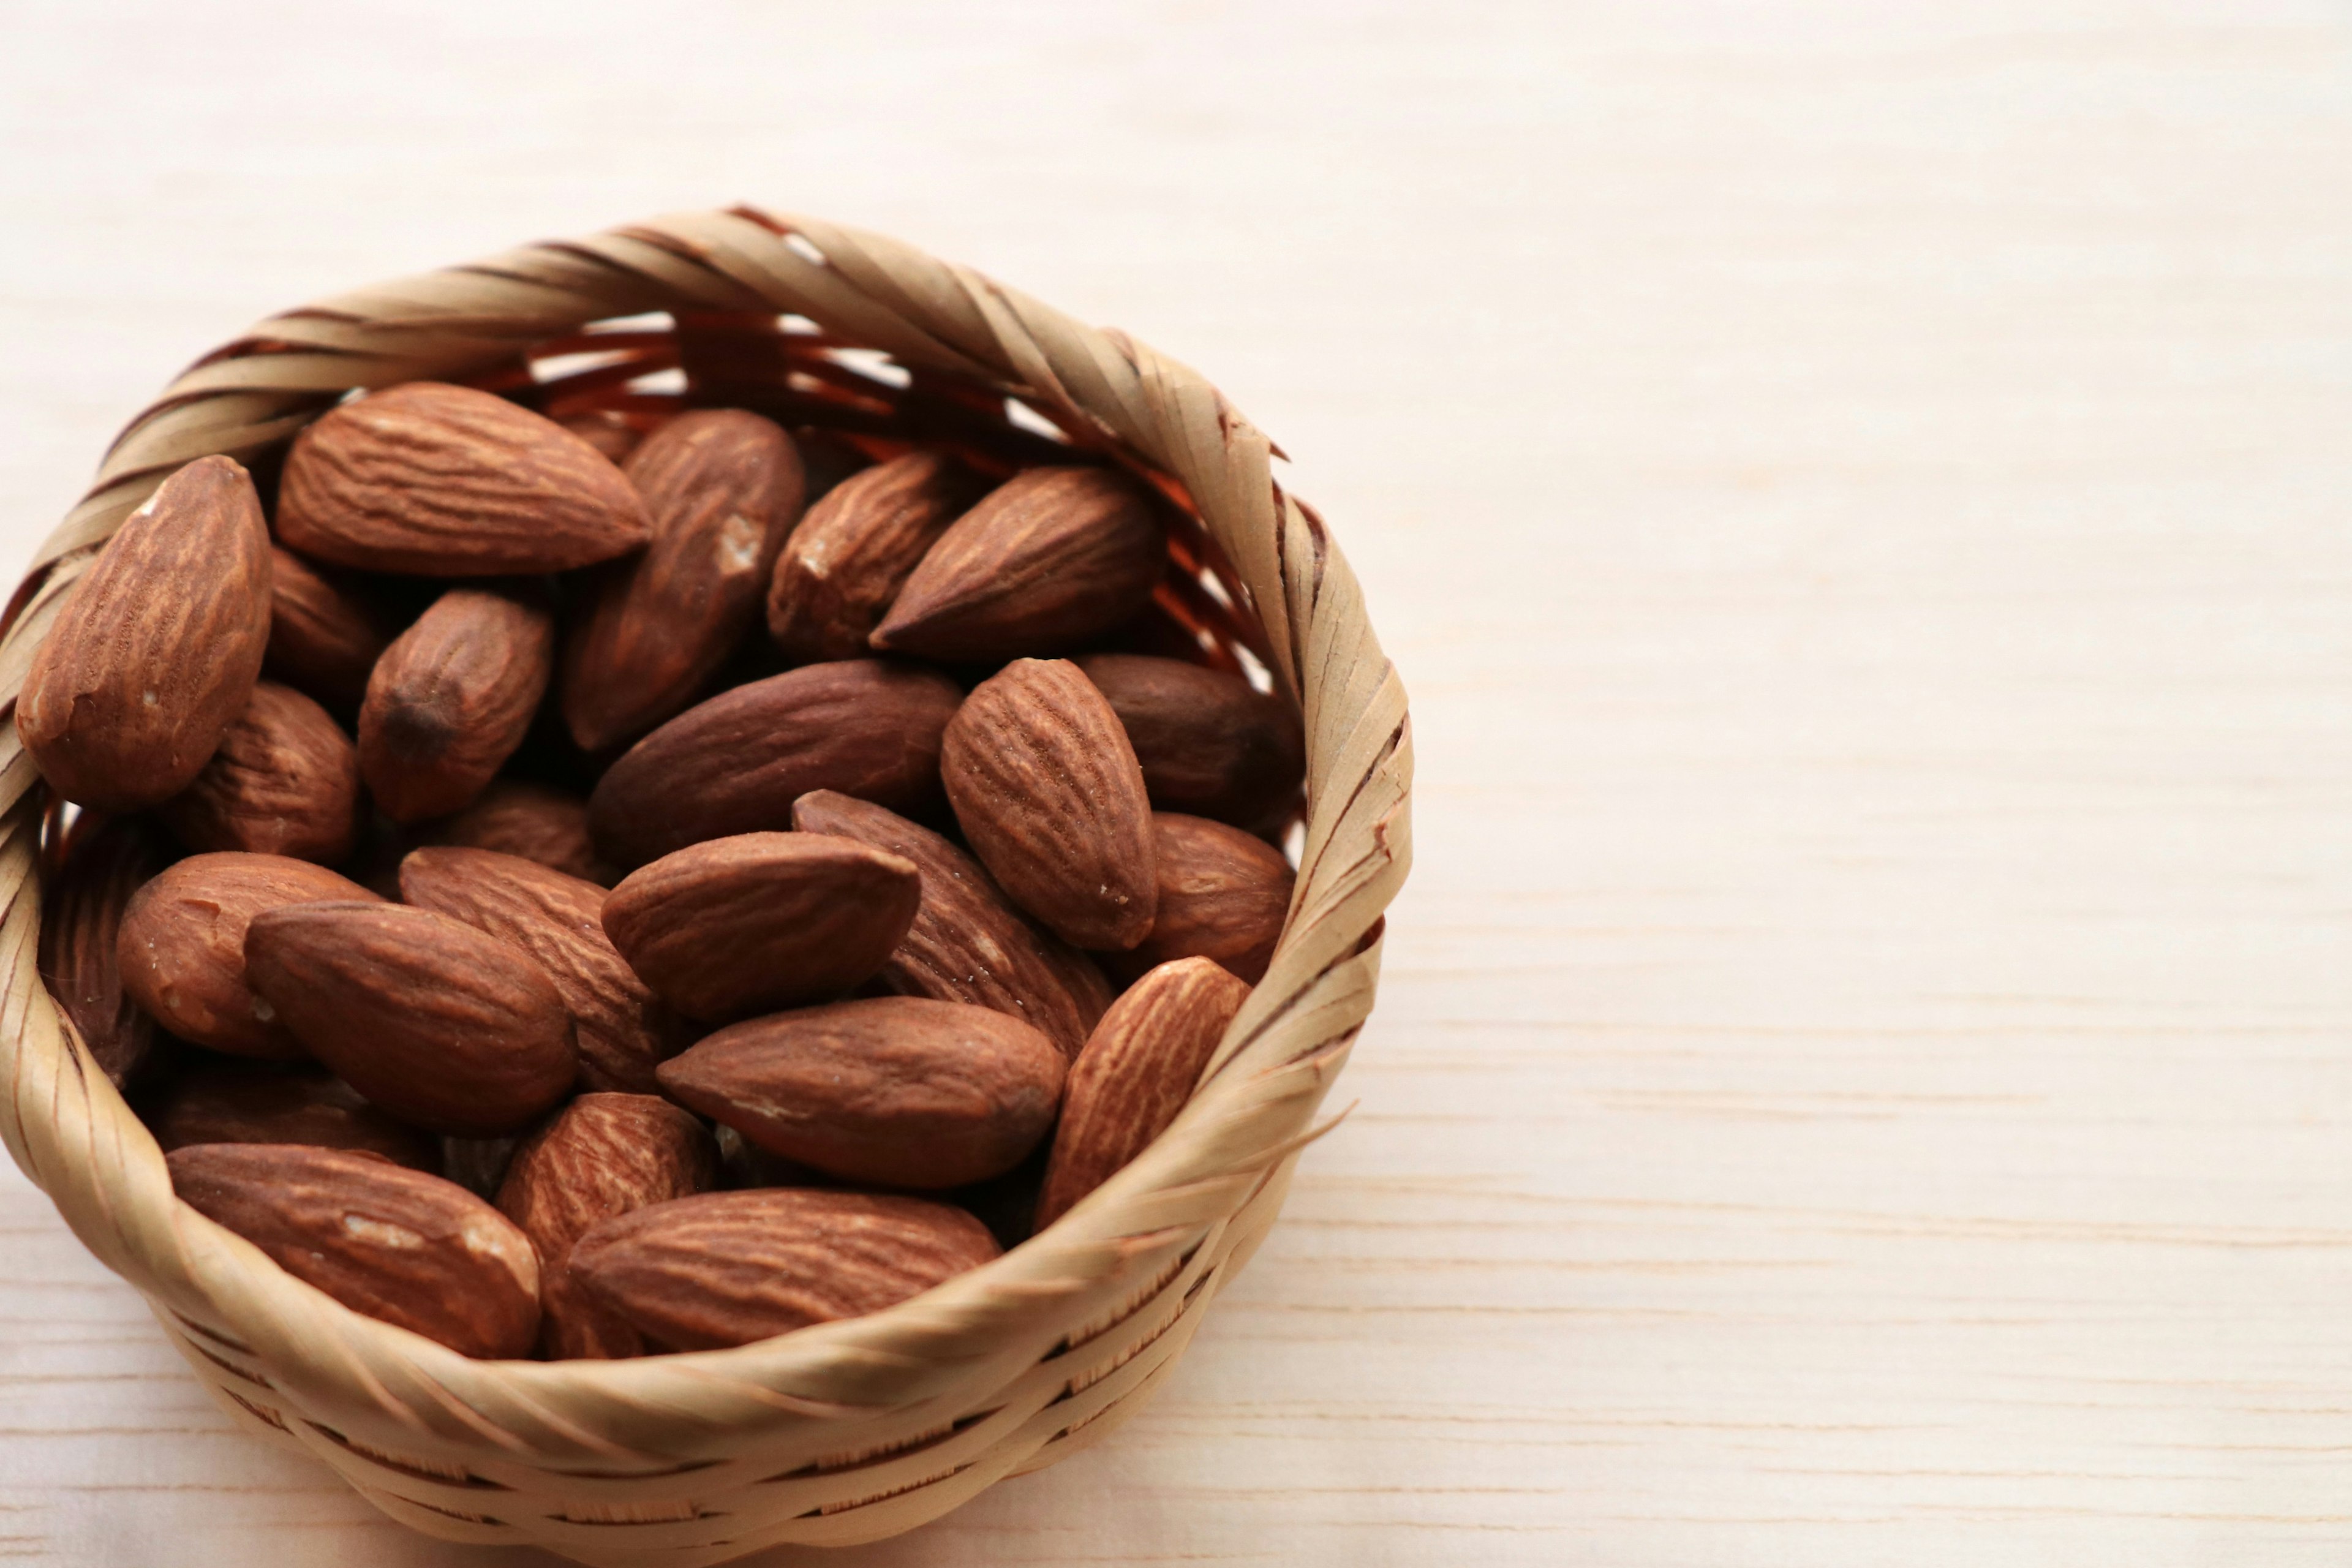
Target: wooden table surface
1860, 493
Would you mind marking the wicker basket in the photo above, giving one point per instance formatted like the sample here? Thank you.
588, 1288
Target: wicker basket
848, 1431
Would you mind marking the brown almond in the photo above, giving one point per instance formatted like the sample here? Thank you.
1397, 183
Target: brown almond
608, 430
757, 921
1222, 894
848, 558
105, 866
722, 487
736, 763
730, 1268
446, 482
897, 1091
325, 633
440, 1025
1050, 798
182, 946
607, 1155
536, 821
1209, 743
398, 1244
556, 919
1052, 557
451, 700
1135, 1075
244, 1102
155, 651
285, 781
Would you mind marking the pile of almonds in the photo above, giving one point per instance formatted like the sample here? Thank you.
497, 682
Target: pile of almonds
555, 887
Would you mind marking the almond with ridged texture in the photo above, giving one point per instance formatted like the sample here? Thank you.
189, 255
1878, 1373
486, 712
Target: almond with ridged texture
846, 561
105, 866
444, 1027
182, 946
446, 482
607, 1155
239, 1102
155, 651
394, 1243
325, 635
450, 700
1209, 743
1221, 894
1136, 1074
285, 781
1049, 795
730, 1268
1049, 559
536, 821
723, 487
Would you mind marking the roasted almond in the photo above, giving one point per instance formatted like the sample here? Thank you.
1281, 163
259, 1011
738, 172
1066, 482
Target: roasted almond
1046, 788
247, 1102
899, 1091
610, 431
398, 1244
1052, 557
847, 559
536, 821
759, 921
446, 482
285, 781
730, 1268
1222, 894
325, 635
105, 865
736, 763
451, 700
155, 651
1209, 743
440, 1025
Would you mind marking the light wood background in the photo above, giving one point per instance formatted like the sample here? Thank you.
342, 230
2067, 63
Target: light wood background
1861, 493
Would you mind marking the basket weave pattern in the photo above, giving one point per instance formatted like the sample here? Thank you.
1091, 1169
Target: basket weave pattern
847, 1431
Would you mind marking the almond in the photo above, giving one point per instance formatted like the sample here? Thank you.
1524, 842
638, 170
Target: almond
325, 635
1209, 743
1222, 894
105, 865
446, 482
899, 1091
606, 429
1047, 790
451, 700
736, 763
729, 1268
182, 946
285, 781
438, 1024
398, 1244
155, 651
607, 1155
723, 487
847, 559
242, 1103
1052, 557
760, 921
536, 821
1136, 1074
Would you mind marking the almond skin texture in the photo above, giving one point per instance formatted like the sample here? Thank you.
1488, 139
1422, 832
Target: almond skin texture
846, 561
285, 781
1209, 744
443, 1027
182, 946
894, 1092
1050, 558
736, 763
234, 1102
451, 700
1136, 1074
1047, 790
79, 962
730, 1268
536, 821
762, 920
1223, 894
155, 651
607, 430
622, 1030
967, 943
607, 1155
395, 1243
324, 634
723, 488
446, 482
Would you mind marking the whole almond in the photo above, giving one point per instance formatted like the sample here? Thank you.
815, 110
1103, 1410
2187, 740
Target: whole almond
397, 1244
446, 482
723, 487
848, 558
285, 781
441, 1026
759, 921
1209, 743
1052, 557
730, 1268
897, 1091
536, 821
325, 633
104, 866
155, 651
1050, 798
623, 1030
607, 1155
182, 946
967, 943
451, 700
736, 763
1222, 894
608, 430
240, 1102
1135, 1075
